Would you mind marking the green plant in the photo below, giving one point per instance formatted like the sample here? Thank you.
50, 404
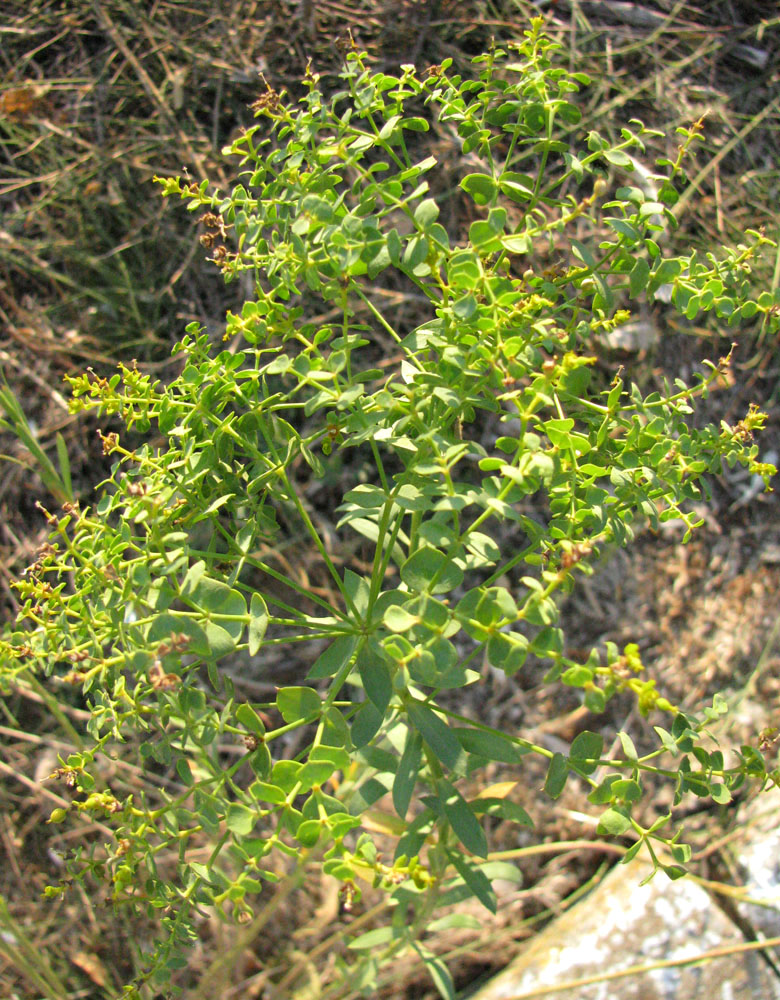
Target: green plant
57, 482
21, 953
486, 464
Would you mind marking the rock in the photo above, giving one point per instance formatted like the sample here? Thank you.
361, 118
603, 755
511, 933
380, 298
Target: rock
637, 942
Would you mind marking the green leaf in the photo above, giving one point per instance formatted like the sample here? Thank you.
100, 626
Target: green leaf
507, 651
291, 819
394, 247
366, 723
535, 116
315, 772
481, 187
389, 127
335, 731
651, 208
168, 623
435, 615
595, 701
665, 272
336, 756
720, 793
504, 808
219, 642
416, 125
64, 464
618, 158
437, 970
614, 822
680, 852
627, 789
517, 243
265, 792
504, 870
426, 213
240, 819
219, 502
462, 819
638, 276
491, 745
631, 853
216, 597
625, 228
258, 622
407, 773
517, 187
379, 759
357, 589
183, 769
436, 733
548, 642
248, 717
585, 753
628, 745
454, 921
193, 576
398, 619
683, 732
465, 307
583, 253
483, 237
285, 774
430, 571
370, 530
222, 607
295, 703
366, 496
577, 676
483, 609
376, 678
557, 773
260, 761
476, 880
374, 939
337, 655
464, 270
411, 497
202, 871
308, 832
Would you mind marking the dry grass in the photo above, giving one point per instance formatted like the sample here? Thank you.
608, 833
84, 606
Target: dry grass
98, 97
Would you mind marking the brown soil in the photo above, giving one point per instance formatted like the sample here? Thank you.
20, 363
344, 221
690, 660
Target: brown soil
705, 614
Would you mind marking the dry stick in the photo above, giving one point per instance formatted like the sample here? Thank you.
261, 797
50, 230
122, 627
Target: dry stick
27, 957
170, 73
706, 48
511, 931
749, 687
756, 120
558, 847
52, 178
250, 933
641, 17
35, 787
633, 970
740, 893
148, 84
324, 946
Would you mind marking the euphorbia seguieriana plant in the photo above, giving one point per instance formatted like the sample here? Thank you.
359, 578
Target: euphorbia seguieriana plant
482, 462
